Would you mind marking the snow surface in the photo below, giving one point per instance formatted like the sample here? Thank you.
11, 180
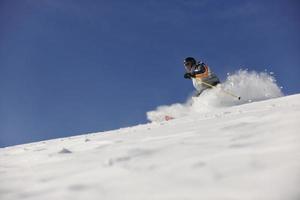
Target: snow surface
248, 152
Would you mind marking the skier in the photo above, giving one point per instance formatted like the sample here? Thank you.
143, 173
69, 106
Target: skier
201, 75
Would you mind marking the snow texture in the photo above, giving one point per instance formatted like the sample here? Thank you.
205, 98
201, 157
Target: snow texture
250, 86
248, 152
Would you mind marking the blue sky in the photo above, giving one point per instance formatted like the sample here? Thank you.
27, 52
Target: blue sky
72, 67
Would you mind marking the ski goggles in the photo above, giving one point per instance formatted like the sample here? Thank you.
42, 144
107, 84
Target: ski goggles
187, 64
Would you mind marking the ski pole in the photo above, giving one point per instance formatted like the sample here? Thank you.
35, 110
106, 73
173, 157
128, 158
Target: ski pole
226, 92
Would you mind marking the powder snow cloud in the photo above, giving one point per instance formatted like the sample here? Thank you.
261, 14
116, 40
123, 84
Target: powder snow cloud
251, 86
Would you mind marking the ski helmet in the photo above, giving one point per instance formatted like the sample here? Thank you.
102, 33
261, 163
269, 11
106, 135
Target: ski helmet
189, 60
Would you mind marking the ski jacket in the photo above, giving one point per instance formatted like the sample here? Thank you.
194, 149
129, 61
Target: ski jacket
202, 73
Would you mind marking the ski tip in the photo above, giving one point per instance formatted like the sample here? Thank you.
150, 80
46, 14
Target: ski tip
167, 118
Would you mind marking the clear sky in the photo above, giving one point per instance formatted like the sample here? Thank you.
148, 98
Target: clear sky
69, 67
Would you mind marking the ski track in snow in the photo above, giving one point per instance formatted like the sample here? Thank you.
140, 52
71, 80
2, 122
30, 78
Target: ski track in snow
249, 151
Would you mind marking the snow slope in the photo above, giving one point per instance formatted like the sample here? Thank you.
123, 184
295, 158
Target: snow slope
249, 151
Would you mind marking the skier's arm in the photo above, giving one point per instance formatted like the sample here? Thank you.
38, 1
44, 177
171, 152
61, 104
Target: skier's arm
202, 69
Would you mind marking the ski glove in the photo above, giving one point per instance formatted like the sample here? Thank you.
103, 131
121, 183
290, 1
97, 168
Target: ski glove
188, 75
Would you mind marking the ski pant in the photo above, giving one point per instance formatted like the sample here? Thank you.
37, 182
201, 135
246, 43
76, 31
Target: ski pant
200, 87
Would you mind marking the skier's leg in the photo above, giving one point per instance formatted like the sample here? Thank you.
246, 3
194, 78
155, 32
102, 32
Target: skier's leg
198, 92
216, 83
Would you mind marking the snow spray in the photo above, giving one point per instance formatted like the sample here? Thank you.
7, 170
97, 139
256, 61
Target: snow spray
251, 86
